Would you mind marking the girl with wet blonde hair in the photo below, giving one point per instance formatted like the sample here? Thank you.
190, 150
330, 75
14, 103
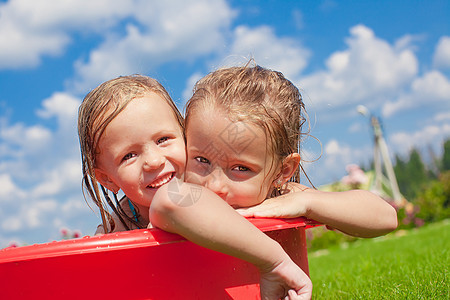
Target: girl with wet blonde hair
244, 128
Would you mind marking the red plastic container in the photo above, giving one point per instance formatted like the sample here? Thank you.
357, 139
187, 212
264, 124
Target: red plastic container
140, 264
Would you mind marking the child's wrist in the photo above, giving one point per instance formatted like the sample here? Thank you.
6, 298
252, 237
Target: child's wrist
312, 200
277, 257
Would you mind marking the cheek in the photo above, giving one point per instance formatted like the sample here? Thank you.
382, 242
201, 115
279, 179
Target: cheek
248, 194
129, 175
268, 187
178, 156
193, 175
265, 187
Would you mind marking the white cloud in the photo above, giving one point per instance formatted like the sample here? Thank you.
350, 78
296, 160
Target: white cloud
408, 42
34, 213
158, 37
8, 189
61, 105
368, 70
29, 139
355, 127
31, 29
298, 17
444, 116
441, 57
332, 148
33, 152
40, 174
12, 224
433, 87
283, 54
336, 157
24, 47
52, 183
403, 103
432, 135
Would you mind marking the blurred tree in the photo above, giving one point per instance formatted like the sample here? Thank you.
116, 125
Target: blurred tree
412, 175
434, 201
401, 174
445, 164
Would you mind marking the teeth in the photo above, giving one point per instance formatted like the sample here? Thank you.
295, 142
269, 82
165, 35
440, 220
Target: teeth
161, 181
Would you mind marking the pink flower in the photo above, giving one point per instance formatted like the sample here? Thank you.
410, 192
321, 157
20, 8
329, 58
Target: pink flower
13, 244
64, 231
419, 222
355, 177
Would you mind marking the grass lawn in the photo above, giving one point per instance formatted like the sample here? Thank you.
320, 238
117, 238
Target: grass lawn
411, 264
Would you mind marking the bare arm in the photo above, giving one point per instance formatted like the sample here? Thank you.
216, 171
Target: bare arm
358, 212
203, 218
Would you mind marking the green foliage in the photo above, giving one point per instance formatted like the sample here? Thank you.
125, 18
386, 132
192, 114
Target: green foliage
445, 164
428, 198
322, 238
434, 202
411, 264
407, 217
411, 175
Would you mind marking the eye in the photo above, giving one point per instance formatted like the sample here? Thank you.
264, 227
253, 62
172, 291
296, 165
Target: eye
241, 168
162, 140
128, 156
202, 160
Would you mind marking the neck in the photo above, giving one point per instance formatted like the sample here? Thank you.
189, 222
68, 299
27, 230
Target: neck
142, 212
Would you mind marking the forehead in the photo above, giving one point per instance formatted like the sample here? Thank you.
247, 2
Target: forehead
147, 113
212, 130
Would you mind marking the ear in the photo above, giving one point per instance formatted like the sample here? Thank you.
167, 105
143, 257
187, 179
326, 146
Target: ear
106, 181
288, 167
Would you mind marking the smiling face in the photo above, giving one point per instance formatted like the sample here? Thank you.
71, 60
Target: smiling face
229, 158
141, 149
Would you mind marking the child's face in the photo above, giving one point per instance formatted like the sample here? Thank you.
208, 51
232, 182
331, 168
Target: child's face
231, 159
141, 149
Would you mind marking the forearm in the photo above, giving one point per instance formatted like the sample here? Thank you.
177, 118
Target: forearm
357, 212
212, 223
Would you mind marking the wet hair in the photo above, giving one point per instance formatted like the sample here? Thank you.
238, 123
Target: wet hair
258, 95
97, 110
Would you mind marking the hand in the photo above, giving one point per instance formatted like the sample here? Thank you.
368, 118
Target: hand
292, 295
291, 205
286, 281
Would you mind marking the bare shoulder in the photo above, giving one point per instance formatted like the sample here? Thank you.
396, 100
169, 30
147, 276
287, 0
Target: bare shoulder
297, 187
181, 193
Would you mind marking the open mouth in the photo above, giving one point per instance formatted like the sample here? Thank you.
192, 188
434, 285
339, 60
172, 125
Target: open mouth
161, 180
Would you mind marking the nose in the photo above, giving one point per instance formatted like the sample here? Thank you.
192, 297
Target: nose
216, 182
153, 160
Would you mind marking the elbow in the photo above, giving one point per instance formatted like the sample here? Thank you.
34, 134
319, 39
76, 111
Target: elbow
387, 217
389, 221
392, 220
386, 222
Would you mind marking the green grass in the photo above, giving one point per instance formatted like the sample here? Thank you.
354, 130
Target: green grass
411, 264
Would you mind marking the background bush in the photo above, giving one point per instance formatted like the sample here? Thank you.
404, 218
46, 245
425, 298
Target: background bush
426, 188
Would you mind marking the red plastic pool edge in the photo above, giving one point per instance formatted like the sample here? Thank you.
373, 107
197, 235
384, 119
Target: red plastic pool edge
140, 264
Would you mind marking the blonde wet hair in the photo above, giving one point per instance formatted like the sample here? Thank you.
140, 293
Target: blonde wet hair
258, 95
97, 110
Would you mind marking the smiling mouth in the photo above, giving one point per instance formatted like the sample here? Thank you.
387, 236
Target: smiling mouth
161, 181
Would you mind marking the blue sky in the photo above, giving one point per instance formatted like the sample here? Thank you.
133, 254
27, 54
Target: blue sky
391, 56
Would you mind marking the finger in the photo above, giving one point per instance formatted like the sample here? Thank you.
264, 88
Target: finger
245, 212
292, 295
